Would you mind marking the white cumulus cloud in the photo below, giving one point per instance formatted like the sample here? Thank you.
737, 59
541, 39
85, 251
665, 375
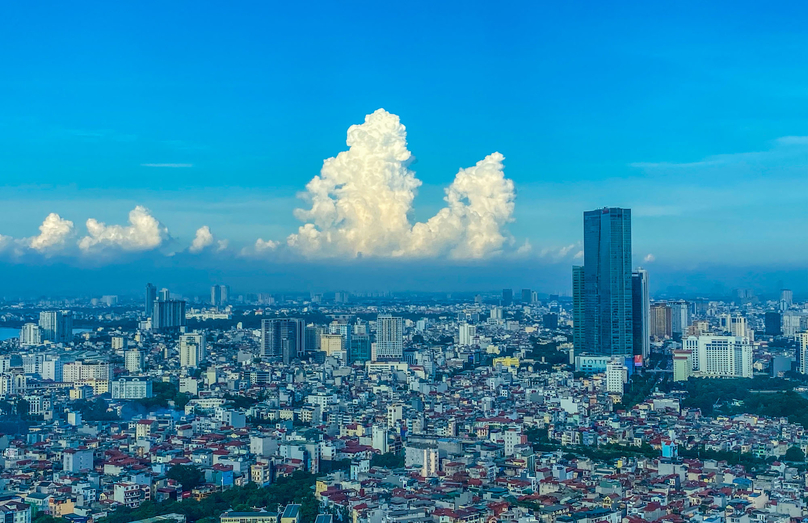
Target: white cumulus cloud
203, 239
265, 245
649, 258
361, 200
53, 234
143, 233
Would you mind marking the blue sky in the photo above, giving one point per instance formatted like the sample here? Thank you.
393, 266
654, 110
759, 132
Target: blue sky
690, 114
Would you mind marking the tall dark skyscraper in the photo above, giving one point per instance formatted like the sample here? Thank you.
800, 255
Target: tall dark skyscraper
773, 323
608, 319
641, 311
578, 308
151, 295
507, 297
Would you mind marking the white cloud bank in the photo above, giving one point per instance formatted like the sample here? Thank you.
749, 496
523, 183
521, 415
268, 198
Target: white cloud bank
53, 234
203, 239
361, 200
143, 233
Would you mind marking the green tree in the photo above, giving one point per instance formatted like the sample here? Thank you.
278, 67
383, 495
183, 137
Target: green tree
795, 454
187, 475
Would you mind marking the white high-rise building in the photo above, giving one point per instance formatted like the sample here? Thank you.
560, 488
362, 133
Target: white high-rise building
394, 414
720, 356
792, 324
380, 439
496, 313
616, 376
119, 343
30, 335
467, 334
134, 361
389, 337
192, 349
682, 365
52, 369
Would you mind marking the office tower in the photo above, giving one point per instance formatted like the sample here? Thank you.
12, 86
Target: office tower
802, 352
786, 299
578, 309
550, 321
720, 356
773, 323
168, 315
134, 361
527, 296
507, 297
608, 317
660, 321
466, 334
641, 313
219, 295
680, 317
359, 349
313, 333
151, 295
389, 337
192, 349
30, 335
56, 326
283, 338
164, 295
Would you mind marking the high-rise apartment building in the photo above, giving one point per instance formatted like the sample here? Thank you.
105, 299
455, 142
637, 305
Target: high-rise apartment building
680, 317
527, 296
192, 349
660, 321
578, 309
389, 337
466, 334
134, 361
168, 315
283, 338
608, 320
30, 335
641, 313
219, 295
151, 295
786, 299
56, 326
